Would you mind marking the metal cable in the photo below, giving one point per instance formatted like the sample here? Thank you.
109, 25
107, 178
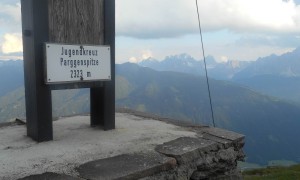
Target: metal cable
207, 81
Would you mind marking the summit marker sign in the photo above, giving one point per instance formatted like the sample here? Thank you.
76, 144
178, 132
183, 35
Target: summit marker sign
68, 44
76, 63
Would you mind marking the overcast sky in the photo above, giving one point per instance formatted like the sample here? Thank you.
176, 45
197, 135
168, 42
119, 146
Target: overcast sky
232, 29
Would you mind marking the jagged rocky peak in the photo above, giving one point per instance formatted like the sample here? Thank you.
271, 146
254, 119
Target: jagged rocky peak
148, 62
297, 50
149, 59
180, 58
236, 64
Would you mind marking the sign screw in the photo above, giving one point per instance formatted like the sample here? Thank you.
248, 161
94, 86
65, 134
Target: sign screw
27, 32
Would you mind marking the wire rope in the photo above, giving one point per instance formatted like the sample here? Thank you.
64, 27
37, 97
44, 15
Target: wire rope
203, 54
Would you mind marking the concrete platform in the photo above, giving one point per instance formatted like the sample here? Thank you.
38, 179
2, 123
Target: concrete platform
139, 148
76, 143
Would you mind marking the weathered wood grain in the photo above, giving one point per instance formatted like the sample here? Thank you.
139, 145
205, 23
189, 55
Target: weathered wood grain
76, 21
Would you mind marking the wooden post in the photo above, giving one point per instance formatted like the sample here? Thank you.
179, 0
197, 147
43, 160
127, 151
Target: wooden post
72, 22
37, 94
103, 98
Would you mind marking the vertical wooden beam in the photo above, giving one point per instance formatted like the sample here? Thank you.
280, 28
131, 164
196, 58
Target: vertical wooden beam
38, 95
103, 99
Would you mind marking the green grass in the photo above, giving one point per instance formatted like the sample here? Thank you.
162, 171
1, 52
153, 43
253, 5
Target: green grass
276, 173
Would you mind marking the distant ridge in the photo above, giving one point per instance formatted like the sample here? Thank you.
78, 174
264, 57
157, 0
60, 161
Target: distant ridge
273, 75
187, 64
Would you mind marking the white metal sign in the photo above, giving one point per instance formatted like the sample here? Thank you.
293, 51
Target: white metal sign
75, 63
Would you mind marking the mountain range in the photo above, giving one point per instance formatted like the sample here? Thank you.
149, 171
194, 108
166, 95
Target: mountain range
274, 75
269, 123
187, 64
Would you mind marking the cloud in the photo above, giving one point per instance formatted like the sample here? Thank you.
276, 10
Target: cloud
250, 41
12, 43
173, 18
11, 10
133, 60
152, 18
10, 14
145, 54
223, 59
